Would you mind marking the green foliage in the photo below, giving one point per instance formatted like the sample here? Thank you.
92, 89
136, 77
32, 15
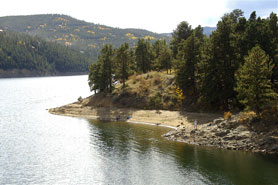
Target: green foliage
187, 58
143, 56
20, 51
253, 81
182, 32
205, 68
220, 60
162, 56
101, 73
123, 62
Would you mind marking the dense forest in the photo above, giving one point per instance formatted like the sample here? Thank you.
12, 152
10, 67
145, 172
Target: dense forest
235, 67
20, 51
80, 35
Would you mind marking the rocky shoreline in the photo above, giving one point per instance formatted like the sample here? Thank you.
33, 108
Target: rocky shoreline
228, 134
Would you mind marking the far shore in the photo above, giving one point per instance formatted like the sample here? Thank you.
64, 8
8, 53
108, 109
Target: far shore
21, 73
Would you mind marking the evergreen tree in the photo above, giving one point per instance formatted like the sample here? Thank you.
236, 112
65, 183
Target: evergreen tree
123, 63
101, 73
187, 58
106, 68
182, 32
94, 77
162, 56
143, 56
253, 81
222, 61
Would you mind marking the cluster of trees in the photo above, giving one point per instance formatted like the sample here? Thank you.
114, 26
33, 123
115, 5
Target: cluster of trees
237, 65
118, 64
20, 51
214, 70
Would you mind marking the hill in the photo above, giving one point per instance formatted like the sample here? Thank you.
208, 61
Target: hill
83, 36
208, 30
23, 55
153, 90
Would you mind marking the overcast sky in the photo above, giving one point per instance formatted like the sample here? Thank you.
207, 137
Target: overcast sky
161, 16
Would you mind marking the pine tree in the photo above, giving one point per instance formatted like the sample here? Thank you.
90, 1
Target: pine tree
101, 73
123, 62
182, 32
187, 58
162, 56
143, 56
253, 81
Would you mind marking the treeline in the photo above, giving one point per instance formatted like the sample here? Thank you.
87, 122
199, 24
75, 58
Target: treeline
235, 67
20, 51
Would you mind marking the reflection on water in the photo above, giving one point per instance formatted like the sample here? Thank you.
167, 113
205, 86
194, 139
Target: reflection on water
39, 148
175, 162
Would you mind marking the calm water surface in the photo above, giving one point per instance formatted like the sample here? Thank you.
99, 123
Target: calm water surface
39, 148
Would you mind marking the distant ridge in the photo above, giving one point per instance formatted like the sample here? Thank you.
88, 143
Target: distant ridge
83, 36
208, 30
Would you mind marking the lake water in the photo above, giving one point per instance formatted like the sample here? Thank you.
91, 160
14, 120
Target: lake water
39, 148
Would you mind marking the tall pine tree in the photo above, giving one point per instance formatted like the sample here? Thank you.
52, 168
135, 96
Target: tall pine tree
253, 81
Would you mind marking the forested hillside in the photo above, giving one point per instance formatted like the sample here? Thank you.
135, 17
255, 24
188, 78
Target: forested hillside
23, 52
85, 37
235, 68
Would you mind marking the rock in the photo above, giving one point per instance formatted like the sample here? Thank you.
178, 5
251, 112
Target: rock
240, 128
168, 134
230, 125
218, 120
270, 140
222, 133
192, 132
229, 137
274, 148
184, 137
201, 133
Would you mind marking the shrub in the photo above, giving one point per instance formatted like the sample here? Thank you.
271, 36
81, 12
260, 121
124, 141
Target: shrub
247, 117
80, 99
227, 115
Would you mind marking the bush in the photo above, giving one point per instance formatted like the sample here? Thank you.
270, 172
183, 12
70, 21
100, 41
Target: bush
80, 99
247, 117
227, 115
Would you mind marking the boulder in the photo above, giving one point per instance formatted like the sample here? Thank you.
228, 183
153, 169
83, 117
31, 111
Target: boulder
274, 148
192, 132
222, 133
218, 120
270, 140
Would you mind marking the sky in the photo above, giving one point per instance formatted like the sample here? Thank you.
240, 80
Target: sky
160, 16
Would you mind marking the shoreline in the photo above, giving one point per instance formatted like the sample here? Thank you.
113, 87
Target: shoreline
213, 130
24, 73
